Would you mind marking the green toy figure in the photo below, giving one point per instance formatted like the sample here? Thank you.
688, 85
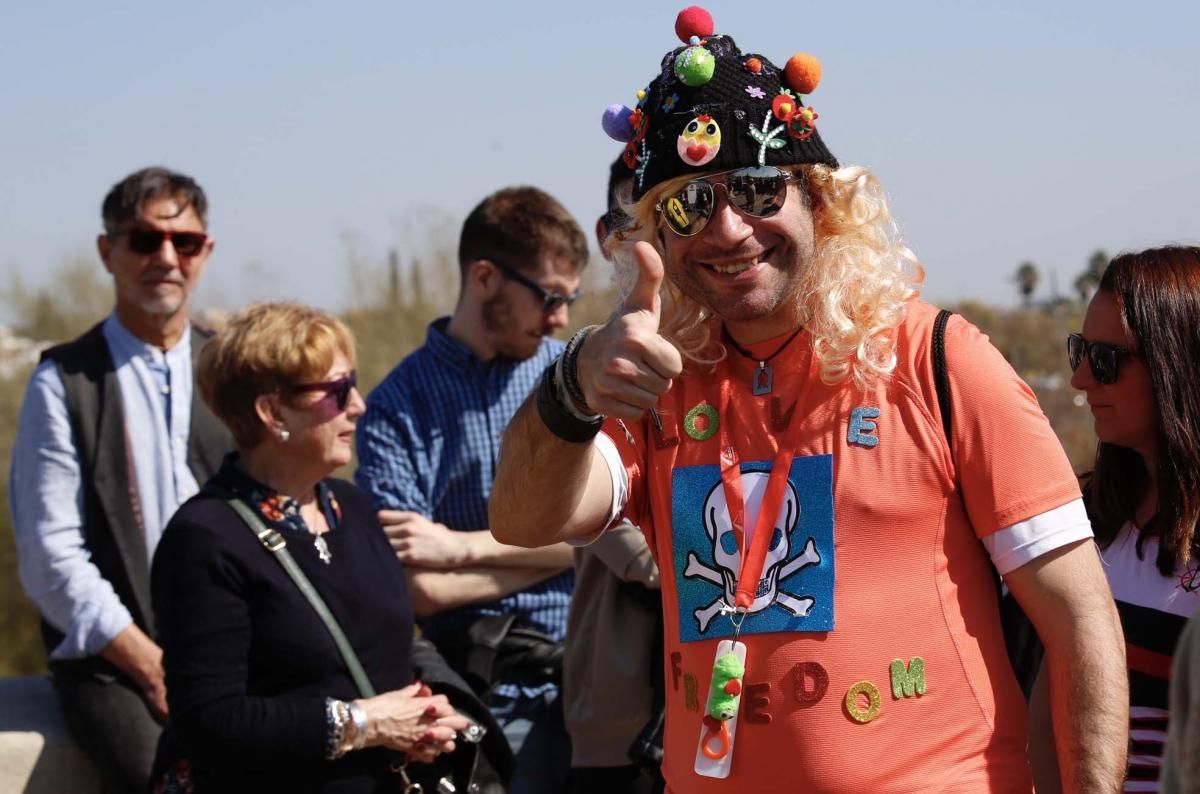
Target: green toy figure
724, 696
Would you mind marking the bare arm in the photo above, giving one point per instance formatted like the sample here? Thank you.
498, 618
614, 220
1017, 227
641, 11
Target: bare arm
422, 543
1067, 597
534, 462
548, 489
1042, 758
437, 591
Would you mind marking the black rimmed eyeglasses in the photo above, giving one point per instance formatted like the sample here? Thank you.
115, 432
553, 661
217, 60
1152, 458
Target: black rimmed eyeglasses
550, 300
1102, 357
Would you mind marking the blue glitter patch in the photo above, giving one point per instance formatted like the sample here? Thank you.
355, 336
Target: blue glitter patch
796, 589
862, 430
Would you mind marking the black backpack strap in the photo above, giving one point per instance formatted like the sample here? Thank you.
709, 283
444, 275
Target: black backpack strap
940, 376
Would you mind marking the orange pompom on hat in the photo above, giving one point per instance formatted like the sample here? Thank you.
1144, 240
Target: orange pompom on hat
712, 107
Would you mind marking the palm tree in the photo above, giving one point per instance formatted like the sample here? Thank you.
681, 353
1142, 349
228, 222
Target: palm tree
1027, 278
1087, 281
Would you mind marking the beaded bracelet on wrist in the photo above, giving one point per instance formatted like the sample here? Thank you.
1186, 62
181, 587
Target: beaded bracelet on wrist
337, 718
568, 372
358, 715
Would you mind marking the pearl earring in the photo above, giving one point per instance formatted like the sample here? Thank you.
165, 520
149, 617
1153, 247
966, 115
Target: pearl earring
284, 434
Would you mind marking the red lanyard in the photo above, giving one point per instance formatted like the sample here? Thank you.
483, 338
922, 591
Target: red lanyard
731, 478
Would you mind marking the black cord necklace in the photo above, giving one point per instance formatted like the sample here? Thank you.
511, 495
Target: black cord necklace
764, 377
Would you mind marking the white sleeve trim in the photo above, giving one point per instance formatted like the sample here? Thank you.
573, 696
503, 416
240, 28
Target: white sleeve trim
1025, 541
620, 487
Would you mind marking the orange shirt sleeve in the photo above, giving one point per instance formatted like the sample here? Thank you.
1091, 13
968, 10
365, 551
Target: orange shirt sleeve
1011, 466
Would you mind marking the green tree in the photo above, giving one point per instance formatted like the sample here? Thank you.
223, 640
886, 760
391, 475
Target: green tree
1027, 277
1087, 281
79, 293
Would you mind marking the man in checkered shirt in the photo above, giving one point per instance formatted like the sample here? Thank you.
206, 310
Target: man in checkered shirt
427, 449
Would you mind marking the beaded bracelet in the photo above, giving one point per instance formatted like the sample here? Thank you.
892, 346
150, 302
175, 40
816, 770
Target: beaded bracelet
337, 718
359, 716
568, 375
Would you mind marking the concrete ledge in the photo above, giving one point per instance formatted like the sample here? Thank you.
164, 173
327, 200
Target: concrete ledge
36, 754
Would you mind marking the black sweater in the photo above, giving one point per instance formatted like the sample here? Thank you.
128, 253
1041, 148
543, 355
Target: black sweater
248, 661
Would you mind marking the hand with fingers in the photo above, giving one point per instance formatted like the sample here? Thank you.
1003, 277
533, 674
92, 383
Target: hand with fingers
625, 365
420, 542
412, 720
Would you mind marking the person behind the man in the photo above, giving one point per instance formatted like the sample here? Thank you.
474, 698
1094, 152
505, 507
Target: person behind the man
614, 628
828, 535
110, 442
427, 447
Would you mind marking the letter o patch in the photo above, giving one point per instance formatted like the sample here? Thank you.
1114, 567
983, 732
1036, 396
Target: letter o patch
854, 707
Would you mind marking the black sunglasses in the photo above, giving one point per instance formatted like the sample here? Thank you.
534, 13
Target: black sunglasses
1102, 357
149, 241
550, 300
339, 388
757, 191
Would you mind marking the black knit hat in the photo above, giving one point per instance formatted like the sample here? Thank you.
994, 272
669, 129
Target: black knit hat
714, 108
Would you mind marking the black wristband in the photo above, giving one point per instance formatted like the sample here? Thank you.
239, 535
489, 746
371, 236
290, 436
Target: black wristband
557, 418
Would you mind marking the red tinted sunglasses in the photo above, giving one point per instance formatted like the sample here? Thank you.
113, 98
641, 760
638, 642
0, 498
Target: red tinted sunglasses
149, 241
340, 388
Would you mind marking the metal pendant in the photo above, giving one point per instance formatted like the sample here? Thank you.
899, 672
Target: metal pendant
322, 549
764, 378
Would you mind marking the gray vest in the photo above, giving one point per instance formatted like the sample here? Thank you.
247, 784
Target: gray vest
112, 524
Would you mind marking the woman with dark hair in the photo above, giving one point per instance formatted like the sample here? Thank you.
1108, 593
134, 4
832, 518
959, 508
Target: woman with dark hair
1138, 362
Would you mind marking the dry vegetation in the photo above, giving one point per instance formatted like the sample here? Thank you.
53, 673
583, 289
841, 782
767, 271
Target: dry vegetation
392, 322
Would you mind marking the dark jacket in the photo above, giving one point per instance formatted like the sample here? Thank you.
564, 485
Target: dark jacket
112, 529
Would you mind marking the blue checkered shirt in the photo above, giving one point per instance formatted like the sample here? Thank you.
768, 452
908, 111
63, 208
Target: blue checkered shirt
428, 443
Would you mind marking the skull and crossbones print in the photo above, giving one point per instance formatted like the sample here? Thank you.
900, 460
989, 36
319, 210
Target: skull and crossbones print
727, 555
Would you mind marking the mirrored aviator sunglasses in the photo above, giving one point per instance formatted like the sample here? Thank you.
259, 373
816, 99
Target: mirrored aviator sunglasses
149, 241
340, 388
757, 191
1102, 357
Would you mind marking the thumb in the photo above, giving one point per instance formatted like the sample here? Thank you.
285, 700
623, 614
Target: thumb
645, 295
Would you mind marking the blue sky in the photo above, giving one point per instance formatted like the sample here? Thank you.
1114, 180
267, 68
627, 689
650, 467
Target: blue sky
1002, 131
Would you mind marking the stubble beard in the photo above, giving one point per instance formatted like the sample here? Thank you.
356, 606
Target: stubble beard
499, 323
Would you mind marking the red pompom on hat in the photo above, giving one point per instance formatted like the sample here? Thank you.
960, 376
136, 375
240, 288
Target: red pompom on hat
803, 73
693, 21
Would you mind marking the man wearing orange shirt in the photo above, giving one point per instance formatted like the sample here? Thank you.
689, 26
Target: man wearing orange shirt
827, 518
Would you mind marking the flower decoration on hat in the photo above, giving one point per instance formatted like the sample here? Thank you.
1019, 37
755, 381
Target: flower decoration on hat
700, 140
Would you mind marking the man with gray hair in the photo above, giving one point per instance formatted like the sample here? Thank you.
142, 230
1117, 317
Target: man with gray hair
109, 443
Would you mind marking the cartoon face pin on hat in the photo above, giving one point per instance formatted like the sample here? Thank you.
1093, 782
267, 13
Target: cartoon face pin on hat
700, 141
713, 107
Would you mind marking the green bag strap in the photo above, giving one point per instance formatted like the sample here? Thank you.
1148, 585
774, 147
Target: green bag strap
273, 542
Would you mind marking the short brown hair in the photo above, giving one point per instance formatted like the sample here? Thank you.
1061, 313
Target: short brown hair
264, 349
517, 225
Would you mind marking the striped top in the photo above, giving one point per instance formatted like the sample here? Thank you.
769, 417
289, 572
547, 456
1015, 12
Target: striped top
428, 443
1153, 609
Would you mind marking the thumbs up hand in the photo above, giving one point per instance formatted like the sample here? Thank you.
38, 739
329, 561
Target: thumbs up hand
625, 365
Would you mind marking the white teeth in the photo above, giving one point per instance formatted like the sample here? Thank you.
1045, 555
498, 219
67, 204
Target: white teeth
738, 267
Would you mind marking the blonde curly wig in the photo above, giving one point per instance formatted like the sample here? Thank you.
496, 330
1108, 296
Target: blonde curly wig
853, 295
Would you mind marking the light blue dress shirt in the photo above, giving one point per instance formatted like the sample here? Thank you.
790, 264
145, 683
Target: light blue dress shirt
46, 486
